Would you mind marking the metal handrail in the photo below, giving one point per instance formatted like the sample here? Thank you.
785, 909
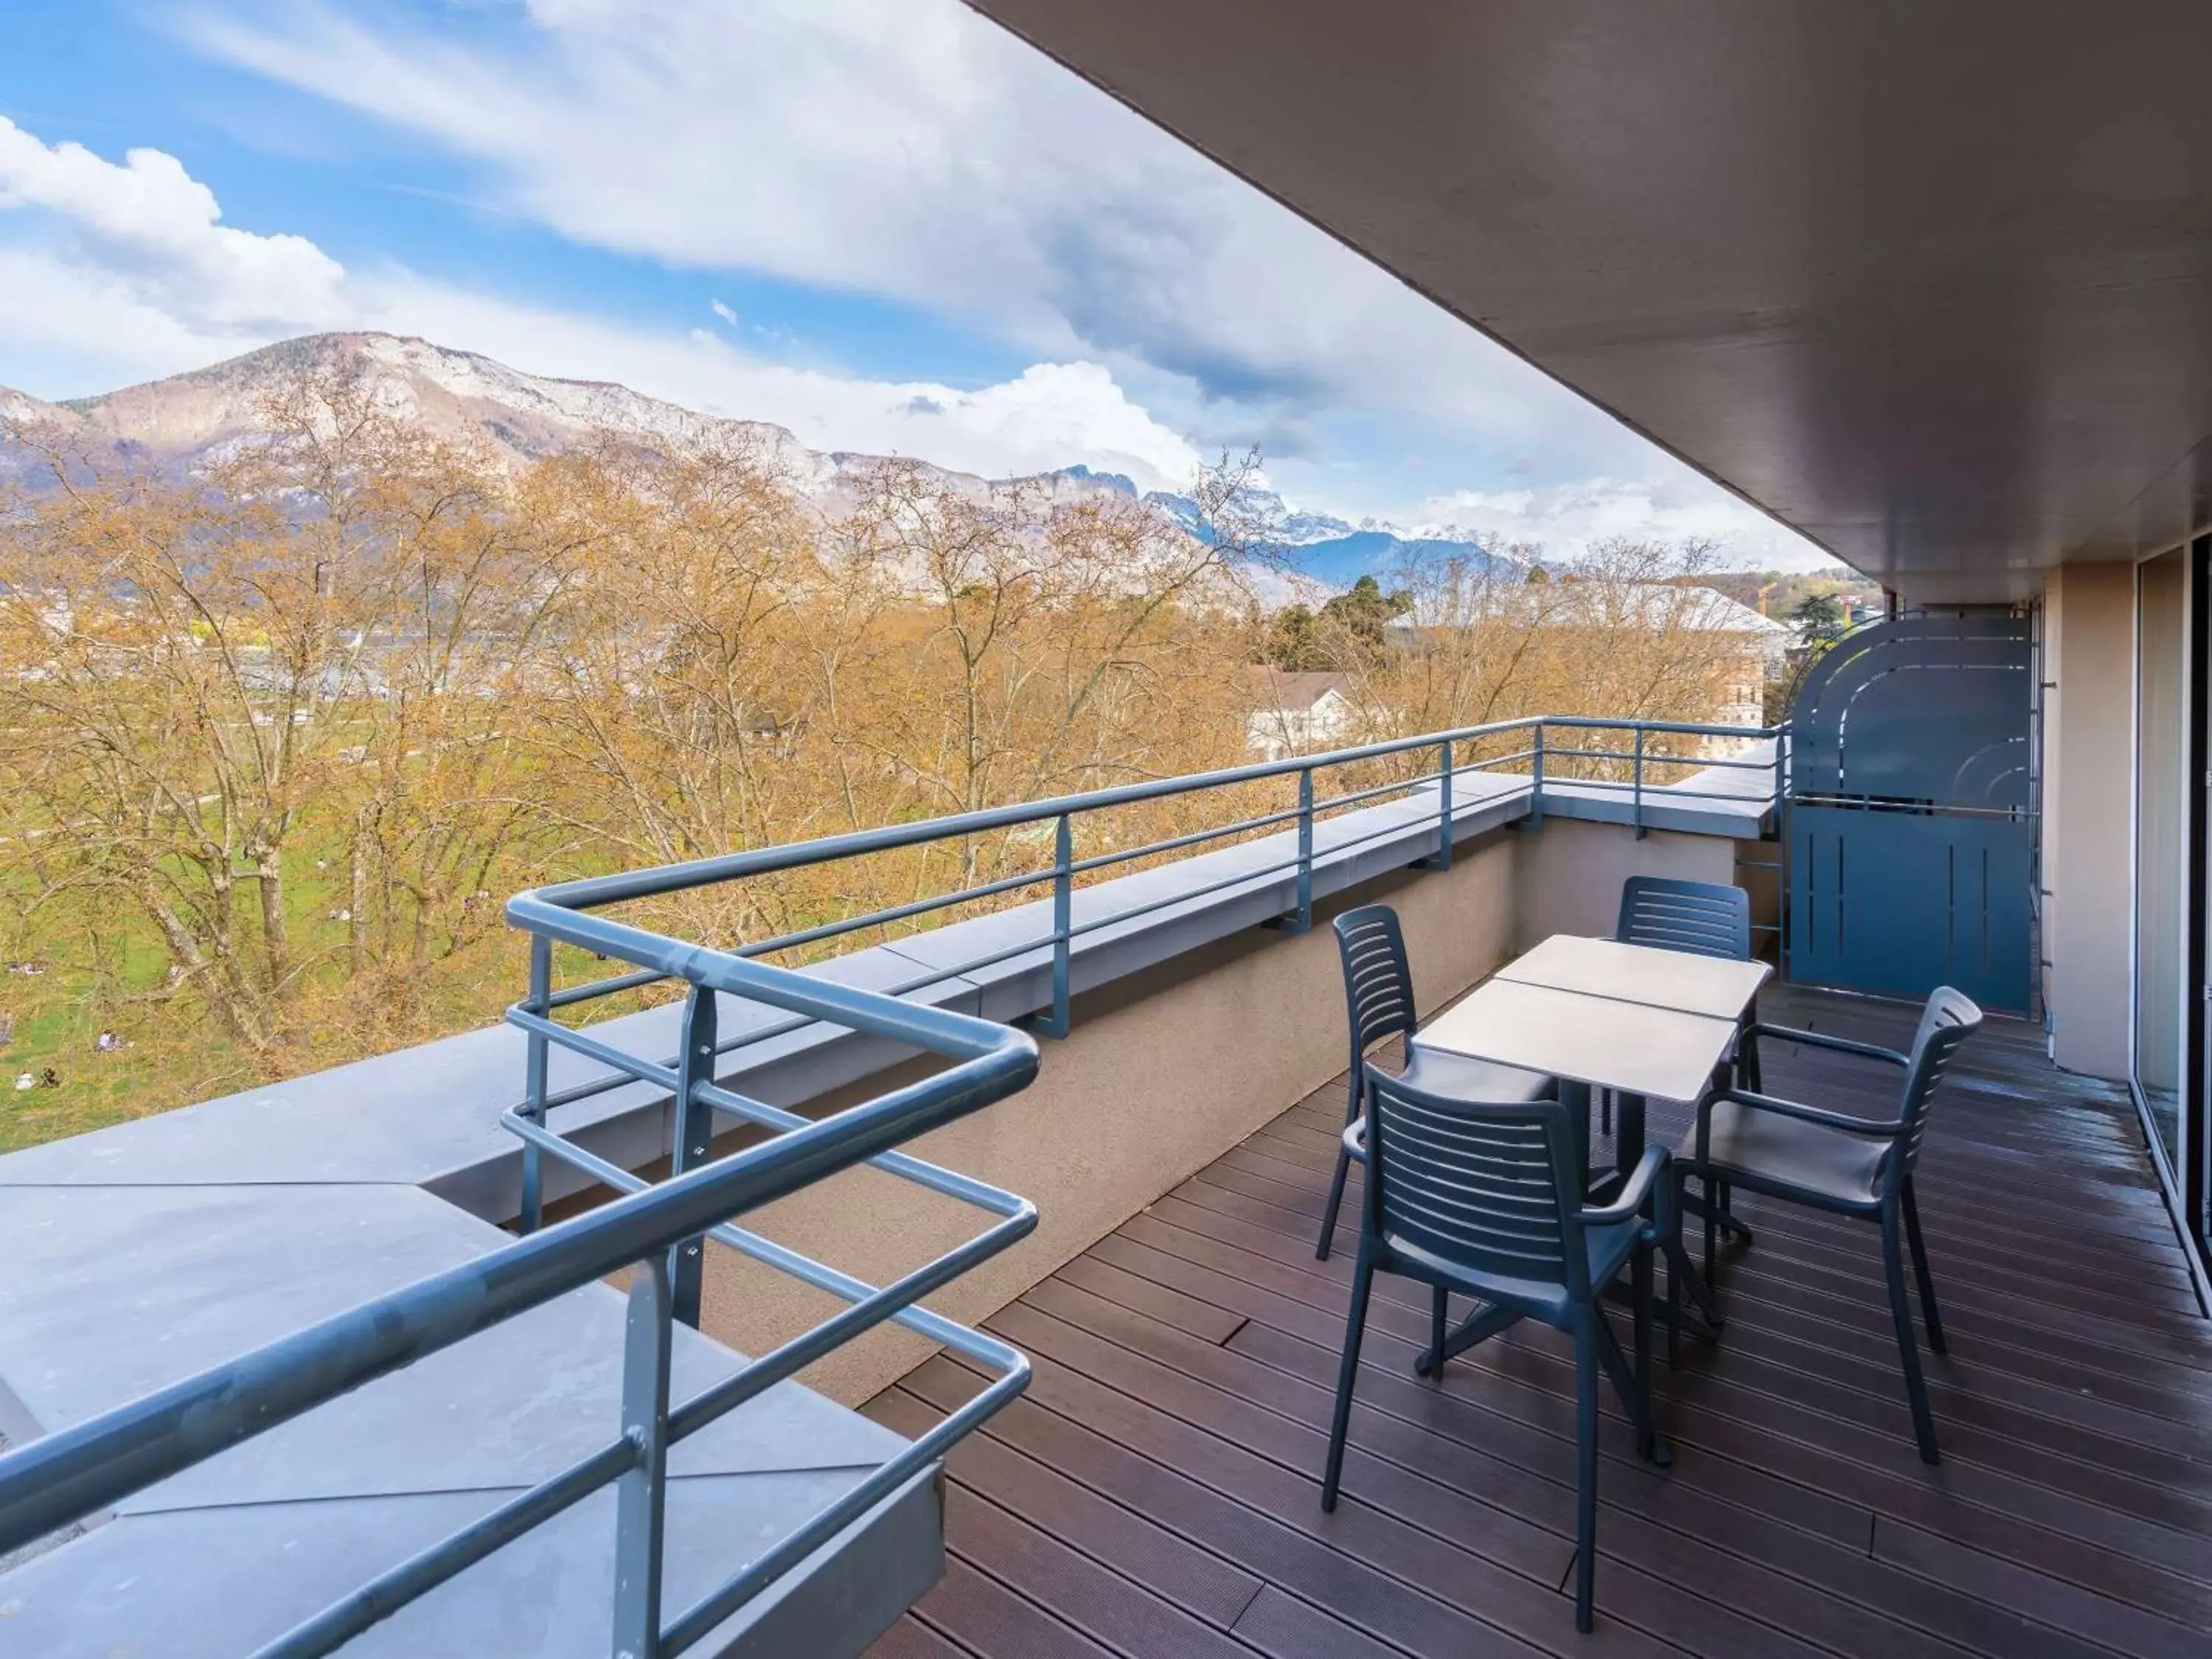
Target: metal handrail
76, 1471
597, 892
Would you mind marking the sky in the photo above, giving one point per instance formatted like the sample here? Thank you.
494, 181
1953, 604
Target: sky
885, 224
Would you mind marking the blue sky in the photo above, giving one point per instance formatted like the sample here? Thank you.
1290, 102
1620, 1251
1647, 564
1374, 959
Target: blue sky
881, 222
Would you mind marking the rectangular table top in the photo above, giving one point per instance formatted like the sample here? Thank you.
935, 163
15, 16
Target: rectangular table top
1716, 986
1601, 1041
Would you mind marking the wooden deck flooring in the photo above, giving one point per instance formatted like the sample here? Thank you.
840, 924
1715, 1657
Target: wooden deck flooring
1157, 1491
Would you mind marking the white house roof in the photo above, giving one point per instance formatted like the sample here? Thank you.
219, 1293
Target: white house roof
1711, 608
1277, 690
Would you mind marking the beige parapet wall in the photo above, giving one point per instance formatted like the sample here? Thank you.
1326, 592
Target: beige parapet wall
1163, 1072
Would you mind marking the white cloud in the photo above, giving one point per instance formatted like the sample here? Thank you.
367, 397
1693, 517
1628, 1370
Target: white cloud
896, 146
1568, 519
164, 287
156, 231
910, 149
1050, 416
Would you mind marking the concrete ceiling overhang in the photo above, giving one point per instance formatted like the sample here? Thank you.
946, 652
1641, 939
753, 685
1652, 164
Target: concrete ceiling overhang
1931, 282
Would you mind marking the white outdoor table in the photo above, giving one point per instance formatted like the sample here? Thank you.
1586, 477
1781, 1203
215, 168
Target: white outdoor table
1721, 987
1596, 1013
1602, 1040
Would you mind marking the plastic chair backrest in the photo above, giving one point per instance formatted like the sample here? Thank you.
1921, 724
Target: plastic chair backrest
1379, 985
1491, 1186
1948, 1020
1702, 917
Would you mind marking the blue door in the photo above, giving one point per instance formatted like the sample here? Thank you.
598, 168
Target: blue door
1909, 823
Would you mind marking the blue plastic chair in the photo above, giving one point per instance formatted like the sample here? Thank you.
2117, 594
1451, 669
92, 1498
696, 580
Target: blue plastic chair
1705, 919
1485, 1197
1843, 1164
1702, 917
1378, 995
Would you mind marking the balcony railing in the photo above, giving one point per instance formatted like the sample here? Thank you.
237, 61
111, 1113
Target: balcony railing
659, 1228
1575, 752
77, 1471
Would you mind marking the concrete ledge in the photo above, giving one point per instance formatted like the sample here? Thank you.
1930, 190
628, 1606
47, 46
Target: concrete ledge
112, 1292
429, 1117
217, 1583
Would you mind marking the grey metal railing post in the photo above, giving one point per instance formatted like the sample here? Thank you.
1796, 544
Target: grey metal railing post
695, 1129
1536, 780
640, 1494
1305, 848
537, 1056
1636, 787
1063, 920
1442, 860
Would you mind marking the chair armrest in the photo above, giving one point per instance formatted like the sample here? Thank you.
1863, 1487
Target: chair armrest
1796, 1109
1355, 1139
1641, 1180
1822, 1040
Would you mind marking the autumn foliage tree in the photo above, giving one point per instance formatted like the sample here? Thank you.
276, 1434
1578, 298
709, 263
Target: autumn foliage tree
201, 675
1614, 634
279, 737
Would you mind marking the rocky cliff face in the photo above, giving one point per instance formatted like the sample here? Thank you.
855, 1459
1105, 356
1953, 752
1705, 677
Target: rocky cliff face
192, 418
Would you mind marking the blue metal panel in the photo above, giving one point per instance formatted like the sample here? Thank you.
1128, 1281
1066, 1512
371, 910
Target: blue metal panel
1910, 823
1897, 903
1927, 709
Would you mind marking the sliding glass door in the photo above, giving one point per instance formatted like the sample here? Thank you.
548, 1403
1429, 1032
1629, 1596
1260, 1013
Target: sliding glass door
2162, 837
2170, 867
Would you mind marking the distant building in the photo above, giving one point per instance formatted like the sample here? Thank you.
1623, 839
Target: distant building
1765, 646
1296, 712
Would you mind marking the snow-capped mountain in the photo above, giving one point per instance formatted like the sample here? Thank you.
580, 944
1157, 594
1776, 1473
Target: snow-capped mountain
1337, 551
193, 417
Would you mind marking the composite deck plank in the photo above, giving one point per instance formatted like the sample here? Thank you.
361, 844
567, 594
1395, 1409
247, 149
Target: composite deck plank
1202, 1584
1752, 1434
1781, 1412
1767, 1426
2148, 1449
910, 1638
1157, 1491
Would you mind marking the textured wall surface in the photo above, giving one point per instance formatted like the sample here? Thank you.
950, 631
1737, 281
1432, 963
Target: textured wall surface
2088, 760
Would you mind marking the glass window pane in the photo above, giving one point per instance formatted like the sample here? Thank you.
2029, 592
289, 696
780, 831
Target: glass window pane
2162, 838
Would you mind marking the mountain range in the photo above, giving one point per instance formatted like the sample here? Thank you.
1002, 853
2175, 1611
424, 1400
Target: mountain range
194, 417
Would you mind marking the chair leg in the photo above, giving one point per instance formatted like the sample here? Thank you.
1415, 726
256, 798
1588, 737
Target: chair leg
1605, 1111
1335, 1200
1343, 1164
1908, 1346
1586, 1369
1647, 1443
1929, 1316
1633, 1386
1439, 1309
1712, 1206
1363, 1278
1731, 1223
1675, 1313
